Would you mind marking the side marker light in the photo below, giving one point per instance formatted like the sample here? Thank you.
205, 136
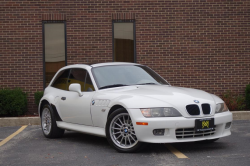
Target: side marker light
142, 123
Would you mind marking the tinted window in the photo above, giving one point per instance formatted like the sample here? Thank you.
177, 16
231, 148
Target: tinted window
80, 76
77, 76
61, 80
89, 86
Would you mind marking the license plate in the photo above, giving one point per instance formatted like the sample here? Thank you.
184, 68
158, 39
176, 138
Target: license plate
204, 124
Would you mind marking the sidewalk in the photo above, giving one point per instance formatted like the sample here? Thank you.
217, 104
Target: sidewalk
20, 121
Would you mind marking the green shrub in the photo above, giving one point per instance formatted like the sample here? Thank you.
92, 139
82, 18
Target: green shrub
234, 102
12, 102
240, 100
247, 97
38, 95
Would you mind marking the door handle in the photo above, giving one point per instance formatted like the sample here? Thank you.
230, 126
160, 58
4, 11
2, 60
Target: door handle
63, 98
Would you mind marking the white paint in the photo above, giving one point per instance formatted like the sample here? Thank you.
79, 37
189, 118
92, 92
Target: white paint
76, 109
81, 128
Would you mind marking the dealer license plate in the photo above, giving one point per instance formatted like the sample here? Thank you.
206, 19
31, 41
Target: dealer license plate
204, 124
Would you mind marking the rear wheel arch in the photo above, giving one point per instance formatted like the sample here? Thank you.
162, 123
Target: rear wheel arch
43, 103
57, 116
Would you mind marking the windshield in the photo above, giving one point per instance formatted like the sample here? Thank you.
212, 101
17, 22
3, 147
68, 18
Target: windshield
125, 75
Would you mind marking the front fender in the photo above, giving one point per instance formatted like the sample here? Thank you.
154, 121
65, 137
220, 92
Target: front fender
128, 101
217, 99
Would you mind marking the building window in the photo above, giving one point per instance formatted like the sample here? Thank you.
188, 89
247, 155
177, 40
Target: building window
124, 41
54, 48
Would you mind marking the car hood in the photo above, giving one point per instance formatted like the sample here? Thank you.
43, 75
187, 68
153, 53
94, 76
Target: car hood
148, 96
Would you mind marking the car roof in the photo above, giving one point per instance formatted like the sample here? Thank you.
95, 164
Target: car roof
113, 63
75, 66
98, 65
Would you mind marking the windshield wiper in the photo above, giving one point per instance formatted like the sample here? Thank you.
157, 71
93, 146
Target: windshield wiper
149, 83
111, 86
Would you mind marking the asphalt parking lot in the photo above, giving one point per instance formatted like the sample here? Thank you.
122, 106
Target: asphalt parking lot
30, 147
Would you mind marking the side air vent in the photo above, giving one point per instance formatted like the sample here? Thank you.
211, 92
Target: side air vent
193, 109
206, 109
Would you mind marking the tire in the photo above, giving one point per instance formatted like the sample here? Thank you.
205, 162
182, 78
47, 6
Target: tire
125, 140
48, 123
207, 141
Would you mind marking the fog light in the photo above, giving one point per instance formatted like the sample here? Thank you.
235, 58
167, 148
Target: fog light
228, 125
158, 131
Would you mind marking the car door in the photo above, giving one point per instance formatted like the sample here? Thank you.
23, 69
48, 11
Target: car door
74, 108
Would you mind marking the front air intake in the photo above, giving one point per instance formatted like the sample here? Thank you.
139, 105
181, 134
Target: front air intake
191, 133
206, 109
193, 109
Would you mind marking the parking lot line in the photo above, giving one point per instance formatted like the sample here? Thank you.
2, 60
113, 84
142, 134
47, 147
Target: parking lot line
176, 152
12, 135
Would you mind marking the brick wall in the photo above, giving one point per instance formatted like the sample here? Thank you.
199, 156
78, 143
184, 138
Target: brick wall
199, 44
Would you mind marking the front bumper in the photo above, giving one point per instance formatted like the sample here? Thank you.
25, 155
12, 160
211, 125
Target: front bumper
170, 124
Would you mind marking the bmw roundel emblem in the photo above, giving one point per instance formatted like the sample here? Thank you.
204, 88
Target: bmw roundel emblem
196, 101
93, 102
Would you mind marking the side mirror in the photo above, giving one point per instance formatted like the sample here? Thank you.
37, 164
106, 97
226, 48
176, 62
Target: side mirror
75, 88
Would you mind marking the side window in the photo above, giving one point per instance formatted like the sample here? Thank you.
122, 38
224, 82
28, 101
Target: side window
89, 85
77, 76
61, 80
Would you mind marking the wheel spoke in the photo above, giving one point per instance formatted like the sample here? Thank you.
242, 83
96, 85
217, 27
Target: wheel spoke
132, 137
129, 140
117, 124
133, 134
116, 128
117, 132
120, 121
129, 120
124, 119
44, 126
118, 137
121, 140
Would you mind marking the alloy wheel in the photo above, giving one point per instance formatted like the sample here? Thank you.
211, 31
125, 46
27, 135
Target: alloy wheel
122, 131
46, 121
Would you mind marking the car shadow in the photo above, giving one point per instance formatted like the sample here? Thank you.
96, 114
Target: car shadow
82, 138
100, 142
200, 146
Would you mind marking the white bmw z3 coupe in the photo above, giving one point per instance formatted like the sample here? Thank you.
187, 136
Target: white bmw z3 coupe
130, 105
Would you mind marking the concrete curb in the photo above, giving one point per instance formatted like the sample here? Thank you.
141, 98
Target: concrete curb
16, 121
241, 115
19, 121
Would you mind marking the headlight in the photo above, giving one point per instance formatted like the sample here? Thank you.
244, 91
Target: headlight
221, 107
160, 112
